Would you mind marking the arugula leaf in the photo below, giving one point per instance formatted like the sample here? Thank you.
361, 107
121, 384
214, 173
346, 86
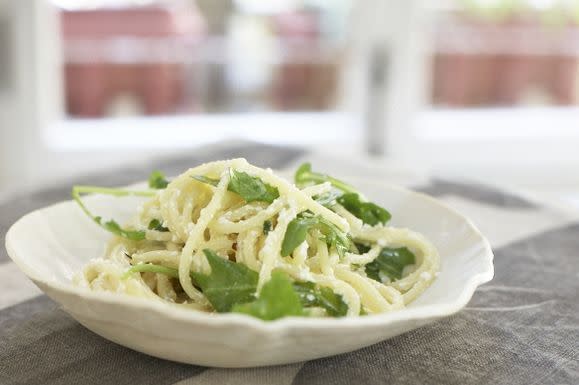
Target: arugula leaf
152, 268
157, 180
251, 188
115, 228
204, 179
368, 212
362, 248
333, 236
267, 226
328, 199
312, 295
277, 299
111, 225
304, 175
298, 228
390, 262
228, 284
296, 233
156, 225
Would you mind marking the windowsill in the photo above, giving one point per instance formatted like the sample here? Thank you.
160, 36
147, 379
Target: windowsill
181, 132
497, 124
435, 126
531, 145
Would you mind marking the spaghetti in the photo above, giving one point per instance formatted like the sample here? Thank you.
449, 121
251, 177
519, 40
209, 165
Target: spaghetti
249, 216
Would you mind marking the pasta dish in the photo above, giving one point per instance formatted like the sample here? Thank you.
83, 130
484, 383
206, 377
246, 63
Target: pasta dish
228, 236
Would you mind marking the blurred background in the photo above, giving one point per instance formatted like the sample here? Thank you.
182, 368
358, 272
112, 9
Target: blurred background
482, 89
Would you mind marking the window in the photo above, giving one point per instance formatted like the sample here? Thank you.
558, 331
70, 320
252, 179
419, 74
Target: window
429, 84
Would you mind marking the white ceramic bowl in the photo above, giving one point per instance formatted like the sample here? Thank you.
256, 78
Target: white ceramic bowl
51, 244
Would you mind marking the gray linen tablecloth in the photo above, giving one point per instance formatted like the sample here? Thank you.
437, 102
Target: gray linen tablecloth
521, 328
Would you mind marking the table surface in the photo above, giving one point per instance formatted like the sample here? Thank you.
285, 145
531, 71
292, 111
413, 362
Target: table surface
521, 328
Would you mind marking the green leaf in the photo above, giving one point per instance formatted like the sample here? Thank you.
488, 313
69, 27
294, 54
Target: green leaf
251, 188
328, 199
157, 180
305, 176
333, 236
115, 228
228, 284
277, 299
302, 172
298, 228
296, 233
267, 226
248, 187
312, 295
362, 248
204, 179
156, 225
111, 225
391, 263
152, 268
368, 212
